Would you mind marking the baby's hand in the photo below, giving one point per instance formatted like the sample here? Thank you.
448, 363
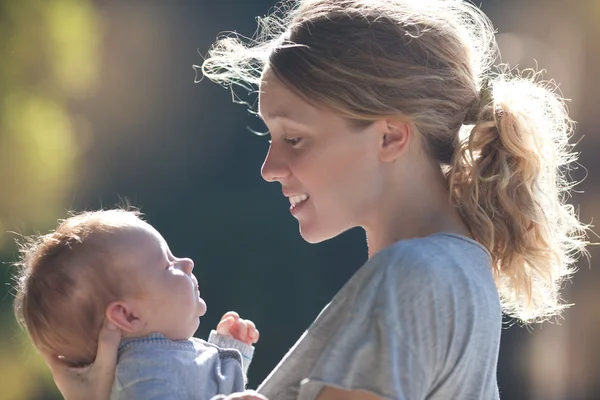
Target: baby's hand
240, 329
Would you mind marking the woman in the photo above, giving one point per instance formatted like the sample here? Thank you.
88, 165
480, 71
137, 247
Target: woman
385, 114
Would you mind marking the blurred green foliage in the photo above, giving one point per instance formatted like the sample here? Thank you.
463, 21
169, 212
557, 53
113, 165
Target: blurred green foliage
50, 53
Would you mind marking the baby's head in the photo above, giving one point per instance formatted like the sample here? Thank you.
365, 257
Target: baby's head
103, 264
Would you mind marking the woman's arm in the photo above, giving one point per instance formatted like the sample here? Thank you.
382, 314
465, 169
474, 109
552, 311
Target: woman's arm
95, 381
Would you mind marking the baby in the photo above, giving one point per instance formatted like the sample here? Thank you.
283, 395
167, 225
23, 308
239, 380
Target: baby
112, 265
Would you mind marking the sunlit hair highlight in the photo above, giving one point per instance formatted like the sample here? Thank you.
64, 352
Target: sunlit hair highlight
428, 62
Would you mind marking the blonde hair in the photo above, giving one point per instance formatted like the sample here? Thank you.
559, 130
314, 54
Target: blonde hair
502, 139
66, 279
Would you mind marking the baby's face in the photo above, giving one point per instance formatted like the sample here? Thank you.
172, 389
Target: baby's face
169, 301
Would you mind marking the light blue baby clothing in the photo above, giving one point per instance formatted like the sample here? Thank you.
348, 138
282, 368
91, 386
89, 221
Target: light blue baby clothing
154, 367
421, 320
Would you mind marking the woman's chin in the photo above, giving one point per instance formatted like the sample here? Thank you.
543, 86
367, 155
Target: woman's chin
314, 236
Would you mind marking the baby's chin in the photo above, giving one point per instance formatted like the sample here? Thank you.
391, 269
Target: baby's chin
189, 331
200, 313
201, 307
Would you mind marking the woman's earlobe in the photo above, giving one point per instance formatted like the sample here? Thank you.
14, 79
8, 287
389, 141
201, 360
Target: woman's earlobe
394, 141
124, 316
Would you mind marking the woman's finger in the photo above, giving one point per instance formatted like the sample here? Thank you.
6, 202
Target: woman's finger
92, 381
246, 395
52, 361
108, 347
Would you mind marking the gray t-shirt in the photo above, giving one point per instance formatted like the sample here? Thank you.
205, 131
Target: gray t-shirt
420, 320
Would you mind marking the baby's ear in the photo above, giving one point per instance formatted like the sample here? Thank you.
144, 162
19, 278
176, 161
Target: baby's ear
124, 315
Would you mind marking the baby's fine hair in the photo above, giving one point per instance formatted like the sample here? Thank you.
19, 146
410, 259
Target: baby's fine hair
66, 279
501, 136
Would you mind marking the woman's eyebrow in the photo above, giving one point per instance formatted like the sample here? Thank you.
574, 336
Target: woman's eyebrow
283, 115
275, 114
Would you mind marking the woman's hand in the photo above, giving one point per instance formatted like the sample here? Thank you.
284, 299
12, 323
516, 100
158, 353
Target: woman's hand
94, 381
245, 395
240, 329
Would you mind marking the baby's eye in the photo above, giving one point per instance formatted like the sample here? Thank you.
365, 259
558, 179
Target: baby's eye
293, 141
170, 265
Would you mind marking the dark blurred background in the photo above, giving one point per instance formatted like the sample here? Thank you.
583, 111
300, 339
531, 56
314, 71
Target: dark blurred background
98, 104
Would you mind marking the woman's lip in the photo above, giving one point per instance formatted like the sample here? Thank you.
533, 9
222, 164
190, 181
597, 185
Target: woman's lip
295, 209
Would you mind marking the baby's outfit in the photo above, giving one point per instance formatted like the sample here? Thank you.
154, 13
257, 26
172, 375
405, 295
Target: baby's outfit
154, 367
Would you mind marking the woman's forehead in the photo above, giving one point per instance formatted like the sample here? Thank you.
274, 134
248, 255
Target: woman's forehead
274, 99
277, 101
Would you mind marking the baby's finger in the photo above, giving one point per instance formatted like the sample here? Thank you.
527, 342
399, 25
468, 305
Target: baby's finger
255, 336
251, 331
251, 326
230, 314
224, 327
240, 330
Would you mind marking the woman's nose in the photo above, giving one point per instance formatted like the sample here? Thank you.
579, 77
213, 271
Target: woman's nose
274, 168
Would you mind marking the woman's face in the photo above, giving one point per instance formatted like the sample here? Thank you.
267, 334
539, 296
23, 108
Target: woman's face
329, 170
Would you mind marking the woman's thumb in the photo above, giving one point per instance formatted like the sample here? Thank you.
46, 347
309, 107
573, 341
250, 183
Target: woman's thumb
108, 346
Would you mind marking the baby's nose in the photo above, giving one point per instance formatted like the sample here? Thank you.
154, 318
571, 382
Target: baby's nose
187, 265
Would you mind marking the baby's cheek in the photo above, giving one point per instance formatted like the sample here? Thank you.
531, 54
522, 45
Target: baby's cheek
189, 296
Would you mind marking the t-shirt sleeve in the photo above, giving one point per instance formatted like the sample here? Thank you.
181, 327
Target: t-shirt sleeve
367, 354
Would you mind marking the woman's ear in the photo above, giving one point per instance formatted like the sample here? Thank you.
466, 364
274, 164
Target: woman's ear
125, 316
397, 134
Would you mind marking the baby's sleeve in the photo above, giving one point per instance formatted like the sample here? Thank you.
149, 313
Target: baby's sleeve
366, 354
246, 350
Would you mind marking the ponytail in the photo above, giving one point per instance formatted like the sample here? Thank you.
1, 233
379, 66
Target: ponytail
509, 178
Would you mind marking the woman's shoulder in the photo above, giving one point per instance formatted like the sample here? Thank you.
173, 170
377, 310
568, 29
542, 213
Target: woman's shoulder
422, 266
430, 253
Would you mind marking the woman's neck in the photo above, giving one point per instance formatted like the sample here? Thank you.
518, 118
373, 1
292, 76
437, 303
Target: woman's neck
419, 209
